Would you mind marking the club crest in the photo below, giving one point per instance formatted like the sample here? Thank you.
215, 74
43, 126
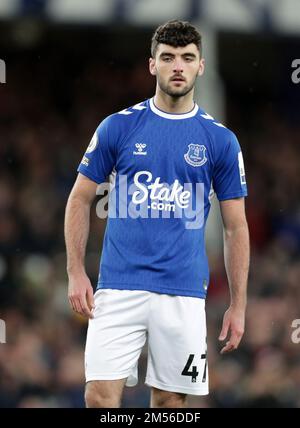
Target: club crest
195, 155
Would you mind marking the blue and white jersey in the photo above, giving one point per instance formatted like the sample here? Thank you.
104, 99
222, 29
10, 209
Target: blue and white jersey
164, 167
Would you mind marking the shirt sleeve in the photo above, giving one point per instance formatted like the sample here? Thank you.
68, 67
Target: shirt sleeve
229, 179
100, 156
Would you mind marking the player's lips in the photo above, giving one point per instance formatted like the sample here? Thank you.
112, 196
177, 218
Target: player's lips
177, 79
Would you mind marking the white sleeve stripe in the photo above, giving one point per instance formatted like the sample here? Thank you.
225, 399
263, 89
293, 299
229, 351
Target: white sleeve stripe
139, 106
126, 112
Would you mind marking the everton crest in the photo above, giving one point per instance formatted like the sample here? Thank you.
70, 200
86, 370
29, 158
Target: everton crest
195, 155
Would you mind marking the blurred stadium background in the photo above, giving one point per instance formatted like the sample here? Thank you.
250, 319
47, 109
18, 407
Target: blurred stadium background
69, 64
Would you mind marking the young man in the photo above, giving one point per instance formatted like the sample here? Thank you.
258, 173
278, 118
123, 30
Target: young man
165, 155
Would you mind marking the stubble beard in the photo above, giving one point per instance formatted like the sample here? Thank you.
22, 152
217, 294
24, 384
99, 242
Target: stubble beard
176, 92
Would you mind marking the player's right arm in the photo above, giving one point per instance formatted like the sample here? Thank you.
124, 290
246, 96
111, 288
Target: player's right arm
77, 224
97, 163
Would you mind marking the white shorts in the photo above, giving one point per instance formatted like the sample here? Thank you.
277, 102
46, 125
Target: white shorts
176, 331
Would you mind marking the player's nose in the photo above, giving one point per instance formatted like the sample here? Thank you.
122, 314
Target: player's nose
178, 66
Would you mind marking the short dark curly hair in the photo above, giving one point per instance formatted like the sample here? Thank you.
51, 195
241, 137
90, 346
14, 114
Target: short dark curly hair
176, 33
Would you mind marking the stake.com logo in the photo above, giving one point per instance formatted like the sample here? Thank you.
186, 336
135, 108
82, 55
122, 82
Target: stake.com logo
148, 197
160, 192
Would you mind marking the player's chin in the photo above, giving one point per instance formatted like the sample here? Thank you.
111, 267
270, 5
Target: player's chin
178, 92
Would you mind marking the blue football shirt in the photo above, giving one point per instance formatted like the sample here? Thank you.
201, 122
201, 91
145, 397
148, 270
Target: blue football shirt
164, 168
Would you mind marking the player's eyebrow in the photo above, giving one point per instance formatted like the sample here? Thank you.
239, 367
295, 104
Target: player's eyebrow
166, 54
189, 54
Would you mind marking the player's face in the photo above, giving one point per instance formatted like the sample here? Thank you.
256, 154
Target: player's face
176, 69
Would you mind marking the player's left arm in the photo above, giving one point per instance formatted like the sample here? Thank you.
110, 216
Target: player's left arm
236, 255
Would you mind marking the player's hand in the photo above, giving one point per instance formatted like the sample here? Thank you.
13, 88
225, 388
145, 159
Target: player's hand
233, 322
81, 295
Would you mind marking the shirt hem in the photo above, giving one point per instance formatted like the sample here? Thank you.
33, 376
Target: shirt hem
162, 289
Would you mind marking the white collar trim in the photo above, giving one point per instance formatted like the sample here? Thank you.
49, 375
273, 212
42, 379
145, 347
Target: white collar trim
173, 116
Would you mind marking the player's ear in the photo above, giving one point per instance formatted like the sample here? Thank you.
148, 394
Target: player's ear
201, 67
152, 66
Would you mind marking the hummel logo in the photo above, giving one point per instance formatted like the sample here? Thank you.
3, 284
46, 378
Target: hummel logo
140, 147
